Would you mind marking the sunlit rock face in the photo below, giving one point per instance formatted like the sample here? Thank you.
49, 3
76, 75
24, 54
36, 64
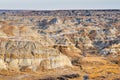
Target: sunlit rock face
18, 54
28, 50
51, 39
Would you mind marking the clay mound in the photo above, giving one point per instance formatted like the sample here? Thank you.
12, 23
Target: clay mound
8, 30
71, 51
18, 32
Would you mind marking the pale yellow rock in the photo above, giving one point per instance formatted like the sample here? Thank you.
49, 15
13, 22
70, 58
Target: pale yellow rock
2, 65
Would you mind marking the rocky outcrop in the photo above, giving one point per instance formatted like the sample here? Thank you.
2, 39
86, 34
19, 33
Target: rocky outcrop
41, 40
22, 48
15, 55
73, 35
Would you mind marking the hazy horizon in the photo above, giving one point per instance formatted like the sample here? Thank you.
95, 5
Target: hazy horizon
59, 5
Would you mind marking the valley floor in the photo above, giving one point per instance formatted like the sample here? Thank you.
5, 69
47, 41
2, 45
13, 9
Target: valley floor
96, 68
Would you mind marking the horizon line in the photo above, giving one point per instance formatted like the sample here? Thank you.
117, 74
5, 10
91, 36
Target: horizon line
60, 9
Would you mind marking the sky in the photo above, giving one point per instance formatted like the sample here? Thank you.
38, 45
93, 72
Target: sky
59, 4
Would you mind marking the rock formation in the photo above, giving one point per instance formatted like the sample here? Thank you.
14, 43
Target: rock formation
45, 40
22, 47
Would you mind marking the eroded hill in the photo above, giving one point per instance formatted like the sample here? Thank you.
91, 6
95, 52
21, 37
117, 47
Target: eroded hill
78, 42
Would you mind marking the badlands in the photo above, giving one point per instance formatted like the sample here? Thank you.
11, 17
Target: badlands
60, 45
